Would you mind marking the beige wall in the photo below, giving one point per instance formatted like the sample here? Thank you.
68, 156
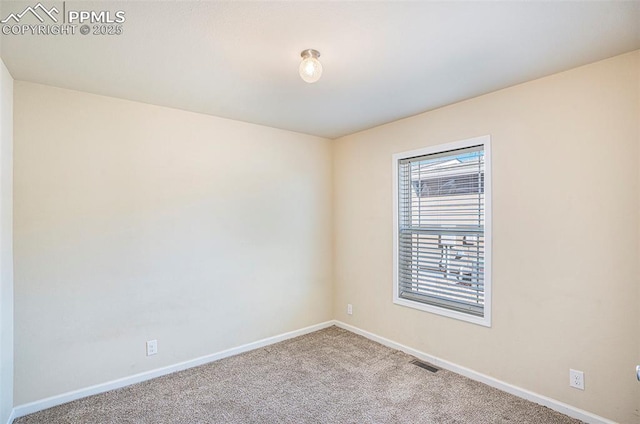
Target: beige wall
565, 235
136, 222
6, 243
638, 302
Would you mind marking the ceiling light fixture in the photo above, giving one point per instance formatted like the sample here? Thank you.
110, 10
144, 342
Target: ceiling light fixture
310, 67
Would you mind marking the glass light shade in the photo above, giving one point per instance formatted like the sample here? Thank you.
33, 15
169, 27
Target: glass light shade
310, 67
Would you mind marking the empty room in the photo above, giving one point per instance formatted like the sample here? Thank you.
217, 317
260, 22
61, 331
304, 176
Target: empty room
319, 212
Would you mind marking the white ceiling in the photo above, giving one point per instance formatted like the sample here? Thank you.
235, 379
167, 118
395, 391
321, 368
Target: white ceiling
382, 60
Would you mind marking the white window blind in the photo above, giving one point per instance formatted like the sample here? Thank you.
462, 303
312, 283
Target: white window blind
440, 240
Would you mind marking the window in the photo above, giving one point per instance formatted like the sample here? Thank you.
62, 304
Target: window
442, 230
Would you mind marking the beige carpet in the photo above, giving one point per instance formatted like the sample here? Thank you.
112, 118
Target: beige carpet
330, 376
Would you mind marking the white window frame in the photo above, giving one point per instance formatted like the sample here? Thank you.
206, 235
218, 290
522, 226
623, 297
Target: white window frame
485, 141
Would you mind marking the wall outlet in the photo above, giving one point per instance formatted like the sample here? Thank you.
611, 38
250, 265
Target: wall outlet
576, 379
638, 372
152, 347
349, 309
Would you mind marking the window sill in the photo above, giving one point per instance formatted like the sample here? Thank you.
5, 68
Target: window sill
483, 321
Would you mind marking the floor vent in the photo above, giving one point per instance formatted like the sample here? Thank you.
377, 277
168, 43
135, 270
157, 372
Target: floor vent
425, 365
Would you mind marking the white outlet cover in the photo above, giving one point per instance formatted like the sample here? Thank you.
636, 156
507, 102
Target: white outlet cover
152, 347
349, 309
576, 379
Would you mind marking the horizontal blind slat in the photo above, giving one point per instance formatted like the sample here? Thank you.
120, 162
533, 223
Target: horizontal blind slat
470, 299
472, 295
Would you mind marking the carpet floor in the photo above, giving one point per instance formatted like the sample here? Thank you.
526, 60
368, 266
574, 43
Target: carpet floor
330, 376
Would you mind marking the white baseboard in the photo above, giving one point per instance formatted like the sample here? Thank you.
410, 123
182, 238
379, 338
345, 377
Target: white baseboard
556, 405
39, 405
12, 416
